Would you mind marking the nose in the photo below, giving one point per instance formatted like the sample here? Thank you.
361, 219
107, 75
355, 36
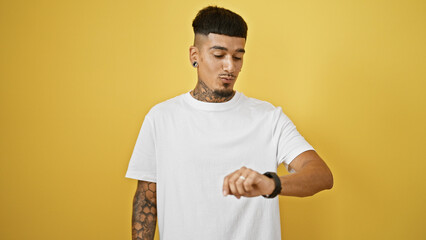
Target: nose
229, 65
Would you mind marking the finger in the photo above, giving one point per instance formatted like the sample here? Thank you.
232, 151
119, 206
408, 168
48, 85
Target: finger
240, 181
239, 186
232, 184
225, 189
250, 181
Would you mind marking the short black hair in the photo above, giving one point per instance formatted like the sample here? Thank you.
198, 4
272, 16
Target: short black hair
213, 19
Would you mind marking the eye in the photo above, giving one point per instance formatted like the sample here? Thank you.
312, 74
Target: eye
218, 56
237, 58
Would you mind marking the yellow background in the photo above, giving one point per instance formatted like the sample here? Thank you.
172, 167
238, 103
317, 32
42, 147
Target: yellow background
78, 77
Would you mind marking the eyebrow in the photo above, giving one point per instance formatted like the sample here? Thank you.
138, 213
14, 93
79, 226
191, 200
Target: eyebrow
225, 49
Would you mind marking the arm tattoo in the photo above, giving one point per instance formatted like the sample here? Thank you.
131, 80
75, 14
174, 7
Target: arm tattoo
144, 216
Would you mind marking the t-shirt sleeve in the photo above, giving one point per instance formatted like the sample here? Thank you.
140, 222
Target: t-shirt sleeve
142, 165
289, 141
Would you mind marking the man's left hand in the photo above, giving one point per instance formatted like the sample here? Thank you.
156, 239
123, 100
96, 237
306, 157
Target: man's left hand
247, 183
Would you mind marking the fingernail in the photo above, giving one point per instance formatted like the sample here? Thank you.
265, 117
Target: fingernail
224, 192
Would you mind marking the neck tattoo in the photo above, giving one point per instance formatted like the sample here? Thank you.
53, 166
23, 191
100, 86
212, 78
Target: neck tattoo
203, 93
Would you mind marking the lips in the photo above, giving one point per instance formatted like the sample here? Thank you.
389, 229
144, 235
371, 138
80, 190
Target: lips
227, 80
227, 76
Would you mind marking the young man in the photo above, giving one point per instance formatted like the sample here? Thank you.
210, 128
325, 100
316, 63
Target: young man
206, 159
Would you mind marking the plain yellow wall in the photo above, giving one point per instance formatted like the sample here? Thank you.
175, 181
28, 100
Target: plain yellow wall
78, 77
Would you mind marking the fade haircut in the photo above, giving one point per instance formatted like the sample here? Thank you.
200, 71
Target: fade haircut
213, 19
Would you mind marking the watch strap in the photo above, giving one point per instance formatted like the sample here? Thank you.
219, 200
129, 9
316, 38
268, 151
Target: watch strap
277, 181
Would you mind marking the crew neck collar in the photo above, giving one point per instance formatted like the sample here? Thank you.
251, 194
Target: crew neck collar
212, 106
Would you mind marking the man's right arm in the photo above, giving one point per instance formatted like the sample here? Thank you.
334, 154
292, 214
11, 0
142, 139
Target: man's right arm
144, 216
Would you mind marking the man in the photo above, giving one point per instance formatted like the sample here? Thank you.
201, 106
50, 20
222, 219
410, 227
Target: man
206, 159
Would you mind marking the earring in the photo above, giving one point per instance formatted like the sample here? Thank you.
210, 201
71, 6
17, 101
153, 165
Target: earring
195, 64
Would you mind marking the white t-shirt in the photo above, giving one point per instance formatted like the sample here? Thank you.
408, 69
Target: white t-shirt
188, 146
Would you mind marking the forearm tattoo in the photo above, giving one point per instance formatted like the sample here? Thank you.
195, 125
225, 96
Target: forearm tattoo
144, 216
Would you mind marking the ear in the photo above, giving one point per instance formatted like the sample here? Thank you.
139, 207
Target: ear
193, 54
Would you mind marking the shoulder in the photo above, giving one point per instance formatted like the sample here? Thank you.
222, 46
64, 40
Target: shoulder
264, 109
261, 106
165, 107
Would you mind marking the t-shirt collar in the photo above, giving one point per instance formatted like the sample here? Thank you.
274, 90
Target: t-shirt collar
212, 106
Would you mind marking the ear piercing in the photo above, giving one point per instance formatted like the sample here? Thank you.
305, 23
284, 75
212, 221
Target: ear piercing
195, 64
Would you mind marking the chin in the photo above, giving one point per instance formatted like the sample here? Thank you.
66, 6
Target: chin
223, 92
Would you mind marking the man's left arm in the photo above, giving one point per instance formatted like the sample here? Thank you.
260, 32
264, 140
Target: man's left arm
311, 175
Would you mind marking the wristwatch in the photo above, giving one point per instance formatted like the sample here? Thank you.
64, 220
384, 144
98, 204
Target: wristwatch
277, 181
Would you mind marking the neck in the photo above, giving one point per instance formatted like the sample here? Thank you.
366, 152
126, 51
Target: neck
203, 93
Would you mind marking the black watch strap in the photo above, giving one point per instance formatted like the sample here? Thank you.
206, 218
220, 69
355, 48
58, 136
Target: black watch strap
277, 181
